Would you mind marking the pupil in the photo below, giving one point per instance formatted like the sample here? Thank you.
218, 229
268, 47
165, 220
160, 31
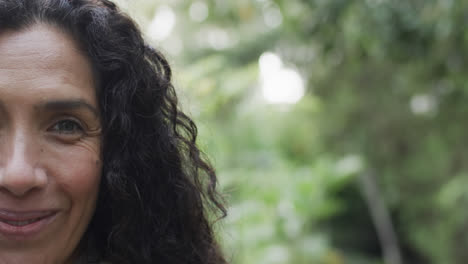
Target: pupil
67, 125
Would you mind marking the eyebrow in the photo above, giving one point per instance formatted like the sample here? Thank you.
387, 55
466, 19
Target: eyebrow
72, 104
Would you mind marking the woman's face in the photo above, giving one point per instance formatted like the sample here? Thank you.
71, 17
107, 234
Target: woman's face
50, 146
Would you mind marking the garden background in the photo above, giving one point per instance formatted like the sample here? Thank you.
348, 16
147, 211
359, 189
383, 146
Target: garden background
337, 127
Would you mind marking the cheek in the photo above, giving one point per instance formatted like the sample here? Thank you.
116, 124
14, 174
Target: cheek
76, 171
81, 178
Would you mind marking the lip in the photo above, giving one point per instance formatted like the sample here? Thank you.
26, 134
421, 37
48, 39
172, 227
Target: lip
27, 231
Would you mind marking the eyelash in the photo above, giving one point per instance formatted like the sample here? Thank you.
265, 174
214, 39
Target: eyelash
77, 128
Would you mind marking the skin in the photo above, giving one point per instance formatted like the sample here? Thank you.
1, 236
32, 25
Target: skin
50, 141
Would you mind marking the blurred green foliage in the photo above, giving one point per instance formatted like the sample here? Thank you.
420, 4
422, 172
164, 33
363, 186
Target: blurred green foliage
385, 93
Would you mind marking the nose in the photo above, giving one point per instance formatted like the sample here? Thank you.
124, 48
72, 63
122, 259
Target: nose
19, 175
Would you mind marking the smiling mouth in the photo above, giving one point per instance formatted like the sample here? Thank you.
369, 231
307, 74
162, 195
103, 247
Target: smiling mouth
22, 222
24, 225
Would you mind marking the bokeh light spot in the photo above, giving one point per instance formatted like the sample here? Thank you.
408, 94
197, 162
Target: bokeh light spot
280, 85
162, 24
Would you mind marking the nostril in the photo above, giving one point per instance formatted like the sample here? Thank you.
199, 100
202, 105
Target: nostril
20, 171
18, 178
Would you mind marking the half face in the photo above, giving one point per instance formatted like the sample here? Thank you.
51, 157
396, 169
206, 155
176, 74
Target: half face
50, 142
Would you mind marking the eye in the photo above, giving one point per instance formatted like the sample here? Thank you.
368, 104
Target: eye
67, 126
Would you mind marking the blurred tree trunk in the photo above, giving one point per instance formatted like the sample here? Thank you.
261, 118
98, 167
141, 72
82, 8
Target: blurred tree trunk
381, 218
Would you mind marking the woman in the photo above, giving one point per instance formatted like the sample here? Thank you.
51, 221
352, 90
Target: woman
97, 164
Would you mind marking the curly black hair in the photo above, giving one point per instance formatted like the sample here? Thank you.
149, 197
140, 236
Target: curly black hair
157, 199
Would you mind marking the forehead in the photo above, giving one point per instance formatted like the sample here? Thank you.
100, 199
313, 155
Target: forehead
43, 42
42, 56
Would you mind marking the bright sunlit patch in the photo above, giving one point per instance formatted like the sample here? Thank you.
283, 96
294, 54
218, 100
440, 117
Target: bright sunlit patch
162, 24
350, 164
198, 11
422, 104
269, 63
280, 85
